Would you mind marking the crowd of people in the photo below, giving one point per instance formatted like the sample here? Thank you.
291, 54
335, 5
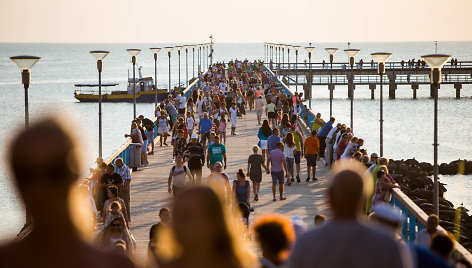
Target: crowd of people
208, 223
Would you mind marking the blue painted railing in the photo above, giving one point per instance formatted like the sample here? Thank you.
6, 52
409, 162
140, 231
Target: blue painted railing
414, 217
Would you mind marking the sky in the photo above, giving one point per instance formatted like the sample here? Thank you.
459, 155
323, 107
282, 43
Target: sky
151, 21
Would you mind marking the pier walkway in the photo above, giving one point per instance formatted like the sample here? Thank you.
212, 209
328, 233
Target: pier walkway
149, 185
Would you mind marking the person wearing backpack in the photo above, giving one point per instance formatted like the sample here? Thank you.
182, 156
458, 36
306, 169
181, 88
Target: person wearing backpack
178, 177
149, 125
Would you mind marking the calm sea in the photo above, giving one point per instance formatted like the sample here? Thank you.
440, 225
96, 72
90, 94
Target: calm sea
408, 123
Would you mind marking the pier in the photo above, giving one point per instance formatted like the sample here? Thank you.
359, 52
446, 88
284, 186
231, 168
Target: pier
366, 74
305, 199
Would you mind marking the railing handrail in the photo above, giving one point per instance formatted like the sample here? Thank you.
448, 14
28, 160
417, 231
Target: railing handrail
422, 217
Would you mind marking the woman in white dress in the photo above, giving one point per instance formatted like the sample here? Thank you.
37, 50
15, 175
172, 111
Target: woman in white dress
162, 127
200, 104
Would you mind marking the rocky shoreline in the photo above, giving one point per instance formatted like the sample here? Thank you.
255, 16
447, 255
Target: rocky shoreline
417, 183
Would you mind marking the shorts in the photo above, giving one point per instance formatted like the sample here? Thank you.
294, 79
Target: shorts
297, 157
277, 177
189, 132
205, 137
311, 160
150, 135
259, 112
144, 147
290, 162
173, 118
272, 115
264, 144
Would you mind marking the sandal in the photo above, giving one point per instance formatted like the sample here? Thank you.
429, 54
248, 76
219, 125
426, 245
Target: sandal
275, 199
283, 198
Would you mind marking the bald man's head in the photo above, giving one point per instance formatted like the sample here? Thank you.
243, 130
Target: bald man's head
348, 189
44, 154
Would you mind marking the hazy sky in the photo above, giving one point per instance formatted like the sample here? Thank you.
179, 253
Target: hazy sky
151, 21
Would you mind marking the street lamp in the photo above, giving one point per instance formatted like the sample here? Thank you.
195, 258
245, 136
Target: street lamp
155, 51
331, 51
169, 53
25, 63
351, 53
283, 55
193, 64
288, 56
179, 48
310, 49
381, 58
296, 66
186, 62
199, 56
99, 56
436, 62
211, 52
134, 52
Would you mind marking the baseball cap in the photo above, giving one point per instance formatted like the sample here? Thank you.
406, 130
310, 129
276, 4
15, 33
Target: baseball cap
374, 155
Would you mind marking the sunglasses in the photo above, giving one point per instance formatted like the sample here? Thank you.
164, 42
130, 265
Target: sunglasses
115, 225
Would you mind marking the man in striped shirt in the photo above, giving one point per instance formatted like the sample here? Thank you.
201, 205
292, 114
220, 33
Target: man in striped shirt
125, 174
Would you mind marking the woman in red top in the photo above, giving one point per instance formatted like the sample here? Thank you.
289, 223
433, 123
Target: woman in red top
342, 146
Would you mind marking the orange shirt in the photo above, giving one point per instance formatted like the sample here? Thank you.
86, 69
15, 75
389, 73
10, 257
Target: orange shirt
312, 144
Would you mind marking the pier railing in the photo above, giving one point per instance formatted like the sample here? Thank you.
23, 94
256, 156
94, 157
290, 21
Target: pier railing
414, 217
375, 79
394, 65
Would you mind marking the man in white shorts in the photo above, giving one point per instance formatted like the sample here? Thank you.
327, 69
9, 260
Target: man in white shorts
233, 113
259, 108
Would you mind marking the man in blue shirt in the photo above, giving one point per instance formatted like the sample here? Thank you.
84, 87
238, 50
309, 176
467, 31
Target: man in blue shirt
273, 139
322, 133
204, 129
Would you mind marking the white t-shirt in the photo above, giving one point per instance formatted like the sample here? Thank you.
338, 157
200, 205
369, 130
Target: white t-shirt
289, 151
190, 122
233, 112
259, 104
179, 176
182, 102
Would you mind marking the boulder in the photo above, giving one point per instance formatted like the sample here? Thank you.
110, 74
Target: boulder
403, 169
412, 162
427, 167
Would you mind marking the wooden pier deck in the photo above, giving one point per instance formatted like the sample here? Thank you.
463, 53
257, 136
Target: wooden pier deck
149, 186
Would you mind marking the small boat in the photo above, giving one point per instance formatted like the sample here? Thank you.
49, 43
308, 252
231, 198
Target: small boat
145, 91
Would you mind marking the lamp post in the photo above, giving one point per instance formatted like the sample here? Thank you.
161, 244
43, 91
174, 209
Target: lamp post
288, 56
276, 59
381, 58
436, 62
199, 56
331, 51
283, 55
193, 63
280, 49
309, 49
296, 67
99, 56
205, 54
186, 63
134, 52
211, 52
169, 53
179, 48
351, 53
25, 63
155, 51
